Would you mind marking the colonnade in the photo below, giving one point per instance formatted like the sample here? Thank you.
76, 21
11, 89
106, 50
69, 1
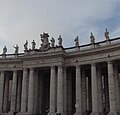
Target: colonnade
95, 91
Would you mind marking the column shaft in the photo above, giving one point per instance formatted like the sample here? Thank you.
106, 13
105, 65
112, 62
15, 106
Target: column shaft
65, 90
60, 90
2, 80
14, 92
111, 88
100, 97
6, 94
19, 92
78, 104
117, 88
94, 89
84, 92
31, 91
52, 90
24, 91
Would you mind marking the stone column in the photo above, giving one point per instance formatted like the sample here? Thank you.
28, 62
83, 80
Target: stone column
14, 92
31, 91
19, 92
117, 88
65, 90
69, 92
52, 91
6, 94
2, 80
36, 91
84, 92
24, 91
41, 89
100, 91
78, 104
94, 90
60, 90
111, 84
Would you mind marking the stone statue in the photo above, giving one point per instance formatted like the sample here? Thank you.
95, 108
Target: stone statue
16, 49
26, 45
76, 41
52, 42
92, 38
4, 50
107, 35
45, 42
33, 45
60, 41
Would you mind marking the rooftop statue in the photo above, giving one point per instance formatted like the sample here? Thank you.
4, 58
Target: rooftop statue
76, 41
4, 50
26, 45
106, 34
52, 42
45, 42
16, 49
60, 41
92, 38
33, 45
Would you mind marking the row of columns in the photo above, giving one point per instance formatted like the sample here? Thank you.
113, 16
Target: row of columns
114, 90
27, 94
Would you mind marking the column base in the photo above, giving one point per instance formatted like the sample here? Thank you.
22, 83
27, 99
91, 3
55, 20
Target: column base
51, 113
78, 113
114, 113
3, 113
59, 114
11, 113
27, 113
97, 113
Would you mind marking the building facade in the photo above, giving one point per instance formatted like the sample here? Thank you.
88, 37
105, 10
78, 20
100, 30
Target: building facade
81, 80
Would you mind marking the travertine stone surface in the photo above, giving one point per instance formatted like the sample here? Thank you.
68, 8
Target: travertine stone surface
60, 90
2, 80
52, 91
94, 89
111, 82
31, 91
6, 92
14, 92
24, 90
78, 104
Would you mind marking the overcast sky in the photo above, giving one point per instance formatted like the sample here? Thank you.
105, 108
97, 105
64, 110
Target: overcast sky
22, 20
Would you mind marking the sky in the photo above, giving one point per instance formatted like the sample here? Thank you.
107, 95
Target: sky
22, 20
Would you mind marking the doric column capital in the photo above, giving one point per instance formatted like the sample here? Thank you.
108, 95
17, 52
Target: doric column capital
52, 67
110, 62
25, 69
31, 69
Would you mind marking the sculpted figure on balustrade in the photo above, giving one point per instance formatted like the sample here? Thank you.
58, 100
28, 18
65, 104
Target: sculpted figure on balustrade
45, 42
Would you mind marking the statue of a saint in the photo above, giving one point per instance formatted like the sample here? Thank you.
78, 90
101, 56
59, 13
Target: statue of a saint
4, 50
76, 41
52, 42
16, 49
45, 42
60, 41
26, 45
107, 35
92, 38
33, 45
